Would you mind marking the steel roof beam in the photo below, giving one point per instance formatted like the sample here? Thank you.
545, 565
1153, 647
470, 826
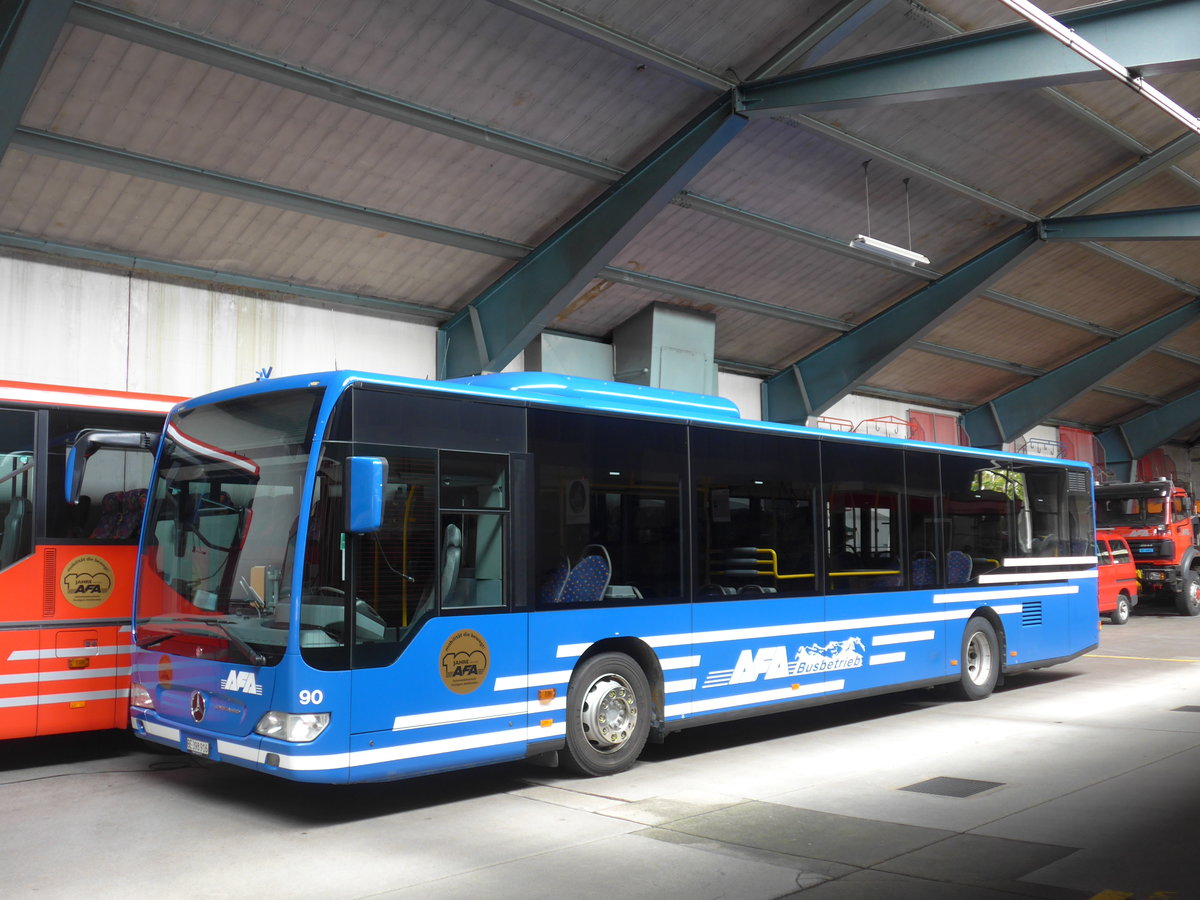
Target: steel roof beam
1170, 224
28, 32
823, 377
829, 31
1152, 36
1013, 413
1126, 443
1147, 167
497, 325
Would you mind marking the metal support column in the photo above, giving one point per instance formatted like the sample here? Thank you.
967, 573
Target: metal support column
498, 324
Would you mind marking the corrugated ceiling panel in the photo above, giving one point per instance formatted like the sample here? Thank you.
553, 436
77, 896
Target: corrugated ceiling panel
1158, 376
1132, 113
919, 372
691, 247
90, 207
1072, 279
997, 143
803, 179
999, 331
479, 61
712, 34
1161, 191
1098, 409
251, 130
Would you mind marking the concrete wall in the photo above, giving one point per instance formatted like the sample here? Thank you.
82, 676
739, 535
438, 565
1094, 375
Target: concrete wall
99, 328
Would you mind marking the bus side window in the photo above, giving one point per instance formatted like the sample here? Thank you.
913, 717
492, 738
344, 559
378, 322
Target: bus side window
17, 472
610, 483
863, 486
755, 530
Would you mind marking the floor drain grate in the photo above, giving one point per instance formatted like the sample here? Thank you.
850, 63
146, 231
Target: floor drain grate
952, 787
1186, 709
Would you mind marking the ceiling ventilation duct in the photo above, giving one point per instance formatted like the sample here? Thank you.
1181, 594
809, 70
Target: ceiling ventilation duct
667, 347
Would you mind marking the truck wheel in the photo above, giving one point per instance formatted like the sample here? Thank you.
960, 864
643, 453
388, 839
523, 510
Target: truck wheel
1187, 601
1120, 614
979, 660
608, 715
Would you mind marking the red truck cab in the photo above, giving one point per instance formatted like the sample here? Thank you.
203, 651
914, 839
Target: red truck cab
1156, 520
1118, 578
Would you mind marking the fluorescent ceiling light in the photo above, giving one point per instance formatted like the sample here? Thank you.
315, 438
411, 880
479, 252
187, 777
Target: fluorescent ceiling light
891, 251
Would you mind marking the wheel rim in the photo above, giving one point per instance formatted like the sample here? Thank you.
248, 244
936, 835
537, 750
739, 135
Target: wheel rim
1122, 608
1193, 593
609, 713
979, 658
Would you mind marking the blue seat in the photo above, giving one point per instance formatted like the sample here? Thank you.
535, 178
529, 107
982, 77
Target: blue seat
958, 567
552, 588
924, 572
588, 579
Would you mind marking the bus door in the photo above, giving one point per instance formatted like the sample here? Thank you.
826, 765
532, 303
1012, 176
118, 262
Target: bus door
437, 644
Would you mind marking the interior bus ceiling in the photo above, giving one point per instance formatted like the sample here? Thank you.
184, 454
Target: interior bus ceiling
405, 154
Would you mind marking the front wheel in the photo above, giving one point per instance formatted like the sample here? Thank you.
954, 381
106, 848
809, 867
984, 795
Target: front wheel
979, 660
608, 715
1187, 601
1120, 613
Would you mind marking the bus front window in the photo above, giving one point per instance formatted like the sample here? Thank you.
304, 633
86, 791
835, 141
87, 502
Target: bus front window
221, 543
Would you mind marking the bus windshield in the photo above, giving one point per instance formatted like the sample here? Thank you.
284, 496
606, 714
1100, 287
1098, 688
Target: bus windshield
221, 543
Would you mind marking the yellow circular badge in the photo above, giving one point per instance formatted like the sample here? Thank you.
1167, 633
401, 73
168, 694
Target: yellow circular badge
464, 661
86, 581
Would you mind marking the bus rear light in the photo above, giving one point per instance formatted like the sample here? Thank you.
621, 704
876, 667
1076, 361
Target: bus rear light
298, 728
140, 697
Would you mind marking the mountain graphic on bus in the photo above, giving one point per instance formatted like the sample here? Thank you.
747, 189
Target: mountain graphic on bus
847, 654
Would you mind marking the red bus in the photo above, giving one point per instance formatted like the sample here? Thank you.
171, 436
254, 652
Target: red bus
66, 570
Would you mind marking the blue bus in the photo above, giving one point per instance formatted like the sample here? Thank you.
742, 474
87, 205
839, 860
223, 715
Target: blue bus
349, 577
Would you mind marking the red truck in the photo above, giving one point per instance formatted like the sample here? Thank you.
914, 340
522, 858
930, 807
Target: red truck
1156, 519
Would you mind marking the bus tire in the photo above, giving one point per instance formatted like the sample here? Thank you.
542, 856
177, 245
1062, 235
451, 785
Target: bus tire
1120, 613
608, 715
979, 660
1187, 601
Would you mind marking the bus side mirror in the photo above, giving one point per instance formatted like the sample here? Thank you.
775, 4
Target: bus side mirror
88, 441
366, 477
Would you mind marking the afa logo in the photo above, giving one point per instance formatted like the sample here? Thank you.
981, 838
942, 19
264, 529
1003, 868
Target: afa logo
86, 581
243, 682
464, 661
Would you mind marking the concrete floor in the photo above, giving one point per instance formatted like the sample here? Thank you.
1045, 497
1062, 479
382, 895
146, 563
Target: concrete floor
1087, 780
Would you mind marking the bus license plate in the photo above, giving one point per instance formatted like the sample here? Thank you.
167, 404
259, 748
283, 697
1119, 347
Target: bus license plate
198, 747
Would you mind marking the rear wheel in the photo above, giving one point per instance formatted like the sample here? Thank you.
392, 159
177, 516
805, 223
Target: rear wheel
608, 715
1120, 613
979, 660
1187, 601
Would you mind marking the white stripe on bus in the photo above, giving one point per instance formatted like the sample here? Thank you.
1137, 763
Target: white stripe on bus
1001, 578
567, 651
882, 640
712, 704
882, 659
69, 675
67, 652
476, 714
48, 699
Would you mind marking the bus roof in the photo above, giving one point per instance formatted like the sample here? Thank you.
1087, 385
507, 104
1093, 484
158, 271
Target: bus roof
98, 398
575, 392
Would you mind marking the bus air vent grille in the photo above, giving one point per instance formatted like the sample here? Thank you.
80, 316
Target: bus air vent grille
49, 567
1031, 613
1077, 482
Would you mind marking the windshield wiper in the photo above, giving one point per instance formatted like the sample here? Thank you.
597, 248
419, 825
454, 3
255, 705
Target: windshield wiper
249, 652
254, 656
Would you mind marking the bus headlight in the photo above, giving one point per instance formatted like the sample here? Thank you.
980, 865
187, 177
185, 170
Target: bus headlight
299, 728
140, 697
